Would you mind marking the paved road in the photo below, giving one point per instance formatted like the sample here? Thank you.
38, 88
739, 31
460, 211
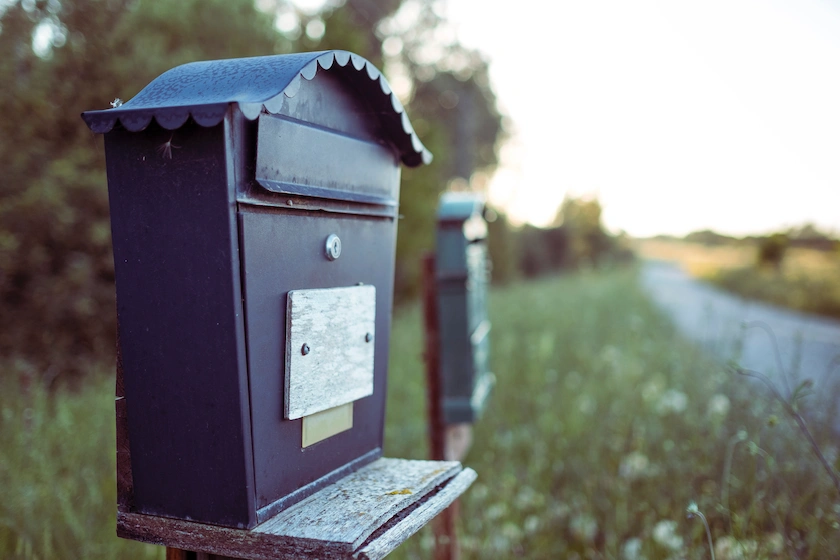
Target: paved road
714, 319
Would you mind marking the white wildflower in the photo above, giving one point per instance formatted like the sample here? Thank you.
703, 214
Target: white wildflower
584, 527
632, 549
496, 511
527, 498
586, 404
774, 543
730, 548
665, 534
559, 511
634, 466
532, 524
672, 401
652, 389
611, 357
511, 531
718, 406
479, 492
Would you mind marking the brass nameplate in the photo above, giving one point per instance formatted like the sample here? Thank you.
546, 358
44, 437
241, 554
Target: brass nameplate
327, 423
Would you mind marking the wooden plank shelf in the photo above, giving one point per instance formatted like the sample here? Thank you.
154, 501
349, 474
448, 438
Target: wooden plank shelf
365, 516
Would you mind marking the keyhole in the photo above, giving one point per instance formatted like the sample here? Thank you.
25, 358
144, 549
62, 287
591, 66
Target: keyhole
333, 247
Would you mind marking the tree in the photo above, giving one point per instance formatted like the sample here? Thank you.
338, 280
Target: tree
587, 241
449, 99
56, 270
771, 251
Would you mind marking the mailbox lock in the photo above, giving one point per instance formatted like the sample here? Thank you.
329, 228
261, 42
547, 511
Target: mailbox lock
304, 349
333, 247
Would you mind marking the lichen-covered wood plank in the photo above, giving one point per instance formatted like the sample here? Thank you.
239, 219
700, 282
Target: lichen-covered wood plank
364, 515
395, 534
351, 510
224, 541
329, 348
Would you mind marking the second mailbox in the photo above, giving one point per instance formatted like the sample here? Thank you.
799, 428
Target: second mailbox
254, 211
462, 275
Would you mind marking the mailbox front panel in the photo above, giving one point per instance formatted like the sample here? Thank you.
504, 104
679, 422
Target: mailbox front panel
284, 250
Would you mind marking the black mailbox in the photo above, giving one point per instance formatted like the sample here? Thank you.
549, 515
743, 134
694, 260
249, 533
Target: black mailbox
462, 275
253, 212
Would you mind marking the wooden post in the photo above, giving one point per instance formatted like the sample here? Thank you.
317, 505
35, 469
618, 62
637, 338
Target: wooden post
446, 542
432, 358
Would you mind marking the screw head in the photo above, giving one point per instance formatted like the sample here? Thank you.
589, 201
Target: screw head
333, 247
368, 337
304, 349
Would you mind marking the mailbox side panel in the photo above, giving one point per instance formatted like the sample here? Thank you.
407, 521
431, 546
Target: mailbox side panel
181, 327
464, 327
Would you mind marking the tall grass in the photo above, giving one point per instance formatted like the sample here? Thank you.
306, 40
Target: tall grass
809, 292
57, 471
808, 280
603, 428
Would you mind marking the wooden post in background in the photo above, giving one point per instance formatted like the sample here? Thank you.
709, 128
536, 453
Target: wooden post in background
446, 542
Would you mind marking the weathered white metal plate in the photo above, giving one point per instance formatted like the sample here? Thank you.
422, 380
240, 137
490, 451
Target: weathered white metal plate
329, 348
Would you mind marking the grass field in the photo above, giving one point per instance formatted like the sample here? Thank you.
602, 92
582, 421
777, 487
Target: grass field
809, 280
603, 428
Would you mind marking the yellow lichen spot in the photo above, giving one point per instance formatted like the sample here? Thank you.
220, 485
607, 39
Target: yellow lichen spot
399, 492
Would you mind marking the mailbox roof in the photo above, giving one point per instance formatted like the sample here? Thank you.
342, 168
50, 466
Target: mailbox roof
203, 91
460, 206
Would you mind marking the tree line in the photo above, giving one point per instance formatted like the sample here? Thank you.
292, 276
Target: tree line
576, 239
59, 58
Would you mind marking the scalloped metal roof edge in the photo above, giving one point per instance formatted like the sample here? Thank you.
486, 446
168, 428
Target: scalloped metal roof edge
254, 84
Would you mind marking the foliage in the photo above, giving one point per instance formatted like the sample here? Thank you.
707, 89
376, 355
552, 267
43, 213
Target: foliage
771, 250
56, 269
57, 470
709, 237
605, 426
809, 236
502, 248
576, 240
801, 290
450, 102
808, 278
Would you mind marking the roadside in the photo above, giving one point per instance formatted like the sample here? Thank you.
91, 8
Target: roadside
799, 274
735, 328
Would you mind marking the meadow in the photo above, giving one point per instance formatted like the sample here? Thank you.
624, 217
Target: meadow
808, 279
603, 428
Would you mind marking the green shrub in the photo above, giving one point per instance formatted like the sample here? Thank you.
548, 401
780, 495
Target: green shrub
771, 250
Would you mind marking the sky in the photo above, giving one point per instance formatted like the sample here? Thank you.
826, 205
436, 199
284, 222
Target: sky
678, 115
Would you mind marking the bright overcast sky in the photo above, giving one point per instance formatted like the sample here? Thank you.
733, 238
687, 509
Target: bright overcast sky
679, 115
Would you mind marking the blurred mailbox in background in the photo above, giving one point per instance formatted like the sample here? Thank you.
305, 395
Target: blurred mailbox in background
462, 276
253, 210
